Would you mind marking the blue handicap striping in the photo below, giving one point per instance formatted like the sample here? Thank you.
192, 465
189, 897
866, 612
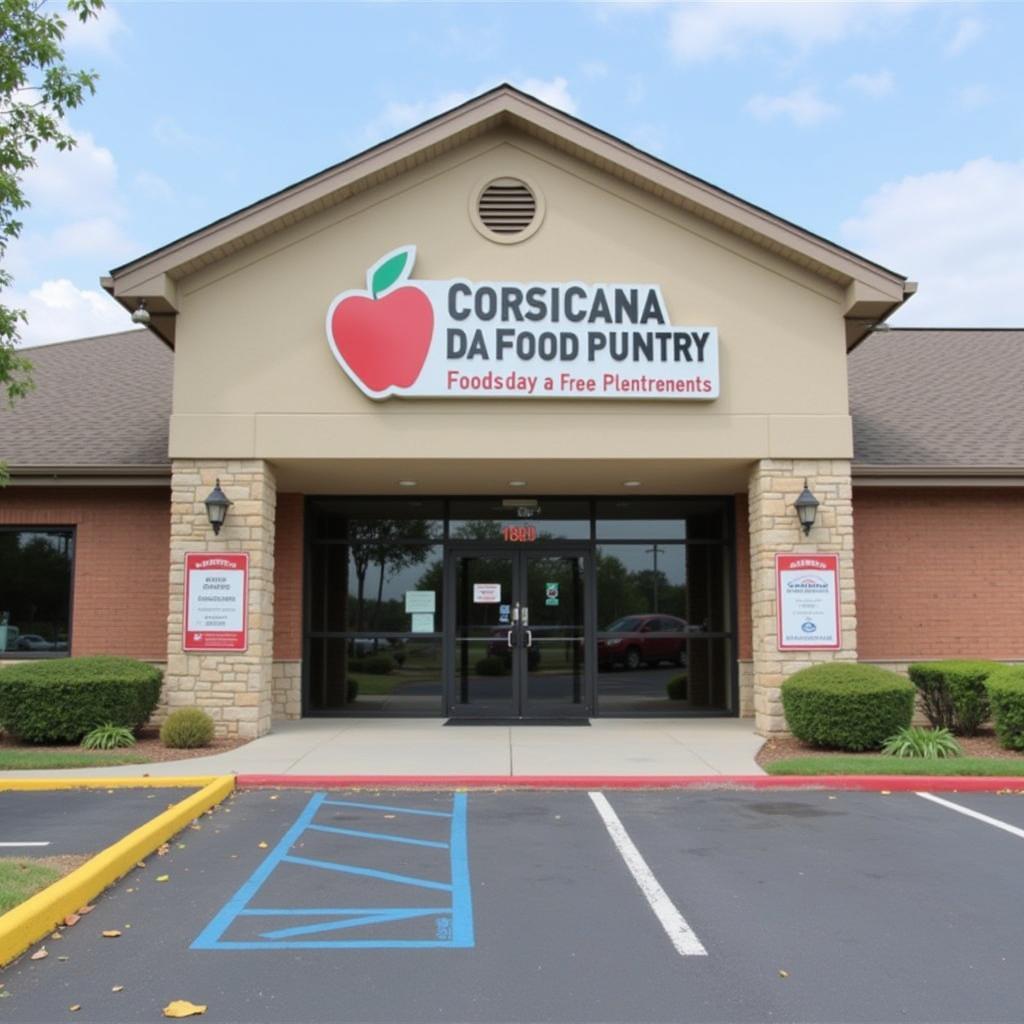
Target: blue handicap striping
382, 926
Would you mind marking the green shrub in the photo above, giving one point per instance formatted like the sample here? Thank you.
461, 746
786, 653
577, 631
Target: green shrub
930, 744
187, 728
953, 694
846, 706
373, 664
492, 665
60, 700
1006, 693
676, 687
352, 690
108, 737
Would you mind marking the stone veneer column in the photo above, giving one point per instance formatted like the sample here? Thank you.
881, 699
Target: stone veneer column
235, 688
774, 528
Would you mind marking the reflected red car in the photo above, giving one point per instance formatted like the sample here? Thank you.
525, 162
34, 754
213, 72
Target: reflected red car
643, 640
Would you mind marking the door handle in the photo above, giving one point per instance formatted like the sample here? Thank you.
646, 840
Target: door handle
509, 638
529, 637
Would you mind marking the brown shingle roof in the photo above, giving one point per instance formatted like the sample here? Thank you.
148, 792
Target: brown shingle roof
923, 398
941, 398
102, 401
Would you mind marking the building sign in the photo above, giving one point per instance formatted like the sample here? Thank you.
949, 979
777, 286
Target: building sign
216, 601
519, 534
807, 588
502, 339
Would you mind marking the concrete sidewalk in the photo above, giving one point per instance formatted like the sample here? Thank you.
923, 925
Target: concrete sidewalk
414, 746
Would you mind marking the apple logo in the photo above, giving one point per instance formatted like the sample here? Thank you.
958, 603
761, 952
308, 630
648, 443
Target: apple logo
381, 336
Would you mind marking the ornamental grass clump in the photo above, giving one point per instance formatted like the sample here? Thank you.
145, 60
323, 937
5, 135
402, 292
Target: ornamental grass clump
915, 741
186, 729
108, 737
846, 706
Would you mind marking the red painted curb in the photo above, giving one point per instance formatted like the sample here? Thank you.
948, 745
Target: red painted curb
862, 783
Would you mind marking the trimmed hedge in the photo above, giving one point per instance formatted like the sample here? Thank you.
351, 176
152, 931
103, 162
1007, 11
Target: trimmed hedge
846, 706
1006, 694
373, 664
60, 700
953, 693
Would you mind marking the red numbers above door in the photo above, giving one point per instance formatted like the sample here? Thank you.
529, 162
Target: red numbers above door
519, 534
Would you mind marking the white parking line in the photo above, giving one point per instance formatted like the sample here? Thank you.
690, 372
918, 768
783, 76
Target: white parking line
679, 932
994, 822
23, 844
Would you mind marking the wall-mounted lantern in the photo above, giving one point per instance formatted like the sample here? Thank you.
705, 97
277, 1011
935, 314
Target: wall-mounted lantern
217, 505
806, 509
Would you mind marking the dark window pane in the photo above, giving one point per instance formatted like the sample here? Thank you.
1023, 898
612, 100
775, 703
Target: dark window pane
35, 590
638, 583
379, 586
695, 675
377, 675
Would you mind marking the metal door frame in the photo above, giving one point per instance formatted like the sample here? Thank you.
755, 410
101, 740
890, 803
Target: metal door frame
519, 556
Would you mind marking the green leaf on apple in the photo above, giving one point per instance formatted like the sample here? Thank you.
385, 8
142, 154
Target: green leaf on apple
390, 270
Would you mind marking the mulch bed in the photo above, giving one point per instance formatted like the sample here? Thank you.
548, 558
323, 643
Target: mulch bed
984, 744
148, 745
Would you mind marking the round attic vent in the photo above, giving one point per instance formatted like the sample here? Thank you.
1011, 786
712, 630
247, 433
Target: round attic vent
507, 210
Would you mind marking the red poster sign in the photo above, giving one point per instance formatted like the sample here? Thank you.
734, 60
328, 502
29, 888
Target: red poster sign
807, 598
216, 602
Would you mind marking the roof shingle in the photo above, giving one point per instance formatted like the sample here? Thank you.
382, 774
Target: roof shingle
103, 401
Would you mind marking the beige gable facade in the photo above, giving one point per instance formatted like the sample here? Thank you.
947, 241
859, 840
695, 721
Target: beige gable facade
260, 402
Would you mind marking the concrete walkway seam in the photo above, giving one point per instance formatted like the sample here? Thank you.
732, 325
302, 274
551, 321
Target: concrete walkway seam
40, 914
858, 783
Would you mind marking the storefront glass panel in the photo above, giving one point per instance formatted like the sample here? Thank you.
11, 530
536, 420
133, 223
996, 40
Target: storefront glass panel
35, 591
626, 607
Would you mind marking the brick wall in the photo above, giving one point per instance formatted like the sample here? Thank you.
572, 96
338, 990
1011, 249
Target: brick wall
121, 561
288, 578
940, 573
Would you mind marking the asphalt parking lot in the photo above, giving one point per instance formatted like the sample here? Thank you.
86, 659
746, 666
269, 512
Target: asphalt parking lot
55, 822
559, 906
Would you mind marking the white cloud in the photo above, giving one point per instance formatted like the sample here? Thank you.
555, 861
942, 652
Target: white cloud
967, 32
397, 117
704, 31
58, 310
96, 35
81, 181
803, 107
595, 69
554, 92
972, 97
876, 86
958, 233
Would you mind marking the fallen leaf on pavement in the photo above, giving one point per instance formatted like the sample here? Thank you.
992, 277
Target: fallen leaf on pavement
87, 909
140, 863
72, 919
56, 935
112, 933
183, 1008
783, 974
39, 954
162, 850
62, 958
163, 878
262, 846
886, 792
75, 1007
117, 988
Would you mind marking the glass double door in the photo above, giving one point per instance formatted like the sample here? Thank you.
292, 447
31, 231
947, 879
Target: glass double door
519, 633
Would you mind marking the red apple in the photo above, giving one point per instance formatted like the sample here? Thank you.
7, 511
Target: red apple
384, 341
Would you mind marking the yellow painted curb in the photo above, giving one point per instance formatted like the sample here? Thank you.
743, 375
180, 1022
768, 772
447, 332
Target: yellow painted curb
120, 782
40, 914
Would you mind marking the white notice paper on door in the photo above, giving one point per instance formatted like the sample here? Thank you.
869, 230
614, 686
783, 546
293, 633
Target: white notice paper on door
486, 593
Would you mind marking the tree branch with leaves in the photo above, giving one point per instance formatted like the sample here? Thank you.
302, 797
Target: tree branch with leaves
37, 89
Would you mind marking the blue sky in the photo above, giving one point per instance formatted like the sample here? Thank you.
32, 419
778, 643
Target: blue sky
893, 128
